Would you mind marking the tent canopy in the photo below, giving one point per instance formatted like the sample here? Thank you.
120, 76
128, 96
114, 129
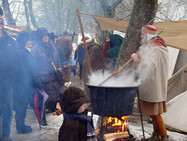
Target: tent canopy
173, 32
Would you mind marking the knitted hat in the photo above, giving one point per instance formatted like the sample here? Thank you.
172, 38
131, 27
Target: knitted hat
72, 99
150, 29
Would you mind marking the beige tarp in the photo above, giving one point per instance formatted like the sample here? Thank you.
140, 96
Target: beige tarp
173, 32
176, 115
111, 24
177, 84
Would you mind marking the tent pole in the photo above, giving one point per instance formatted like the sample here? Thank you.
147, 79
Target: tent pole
94, 33
85, 44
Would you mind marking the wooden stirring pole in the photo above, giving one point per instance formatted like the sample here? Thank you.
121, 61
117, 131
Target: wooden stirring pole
116, 71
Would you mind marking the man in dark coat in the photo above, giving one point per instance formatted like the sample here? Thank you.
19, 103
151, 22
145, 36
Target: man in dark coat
8, 72
76, 123
26, 82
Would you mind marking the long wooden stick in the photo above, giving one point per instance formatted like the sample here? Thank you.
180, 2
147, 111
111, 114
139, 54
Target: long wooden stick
85, 44
94, 33
72, 38
116, 71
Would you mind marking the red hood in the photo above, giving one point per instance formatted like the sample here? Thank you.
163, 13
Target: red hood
159, 42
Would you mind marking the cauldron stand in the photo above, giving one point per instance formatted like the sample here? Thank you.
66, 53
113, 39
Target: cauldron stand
139, 105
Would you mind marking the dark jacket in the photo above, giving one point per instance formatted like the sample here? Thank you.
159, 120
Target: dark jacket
43, 54
27, 80
8, 65
8, 60
72, 129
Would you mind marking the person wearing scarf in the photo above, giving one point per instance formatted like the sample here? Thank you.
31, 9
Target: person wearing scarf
77, 126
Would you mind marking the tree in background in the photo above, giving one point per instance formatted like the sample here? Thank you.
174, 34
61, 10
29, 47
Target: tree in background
143, 12
8, 16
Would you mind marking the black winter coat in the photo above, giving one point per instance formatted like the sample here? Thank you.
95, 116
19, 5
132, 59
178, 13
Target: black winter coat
27, 80
8, 60
8, 64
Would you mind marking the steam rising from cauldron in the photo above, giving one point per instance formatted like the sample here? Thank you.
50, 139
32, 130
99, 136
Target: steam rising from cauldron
131, 76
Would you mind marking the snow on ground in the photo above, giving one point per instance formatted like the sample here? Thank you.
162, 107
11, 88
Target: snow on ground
50, 132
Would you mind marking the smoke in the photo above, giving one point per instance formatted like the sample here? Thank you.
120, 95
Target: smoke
125, 79
148, 59
131, 76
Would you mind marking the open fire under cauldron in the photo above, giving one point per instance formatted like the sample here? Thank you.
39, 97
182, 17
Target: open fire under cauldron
112, 101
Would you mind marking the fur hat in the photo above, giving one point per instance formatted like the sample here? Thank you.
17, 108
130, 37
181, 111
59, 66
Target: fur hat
150, 29
72, 99
41, 32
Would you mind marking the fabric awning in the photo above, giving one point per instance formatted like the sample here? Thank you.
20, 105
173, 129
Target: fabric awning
173, 32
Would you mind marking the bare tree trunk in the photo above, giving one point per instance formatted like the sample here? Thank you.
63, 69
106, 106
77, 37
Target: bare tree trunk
109, 11
59, 17
26, 13
9, 17
144, 12
31, 14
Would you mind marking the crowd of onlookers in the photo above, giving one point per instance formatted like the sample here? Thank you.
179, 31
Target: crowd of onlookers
29, 64
33, 62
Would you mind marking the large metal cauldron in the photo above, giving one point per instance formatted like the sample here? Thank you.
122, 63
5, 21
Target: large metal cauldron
112, 101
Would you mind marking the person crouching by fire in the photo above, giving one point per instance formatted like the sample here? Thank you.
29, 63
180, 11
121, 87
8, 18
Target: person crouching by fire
77, 126
152, 62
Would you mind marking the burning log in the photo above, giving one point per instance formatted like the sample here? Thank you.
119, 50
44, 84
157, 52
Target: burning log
113, 136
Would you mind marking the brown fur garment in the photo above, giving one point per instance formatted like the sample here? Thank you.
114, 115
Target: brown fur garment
96, 60
65, 46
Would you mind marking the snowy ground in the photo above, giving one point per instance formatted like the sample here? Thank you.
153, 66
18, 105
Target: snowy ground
50, 132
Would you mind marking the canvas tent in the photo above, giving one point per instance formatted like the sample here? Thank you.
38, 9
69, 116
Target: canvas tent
173, 32
175, 118
177, 84
176, 115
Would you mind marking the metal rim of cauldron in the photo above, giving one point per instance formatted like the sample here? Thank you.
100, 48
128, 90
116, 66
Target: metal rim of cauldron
127, 101
135, 87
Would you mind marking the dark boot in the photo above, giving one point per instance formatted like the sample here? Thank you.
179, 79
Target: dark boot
44, 122
165, 138
24, 129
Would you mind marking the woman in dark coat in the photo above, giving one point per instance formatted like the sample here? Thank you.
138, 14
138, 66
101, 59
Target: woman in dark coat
26, 82
43, 54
